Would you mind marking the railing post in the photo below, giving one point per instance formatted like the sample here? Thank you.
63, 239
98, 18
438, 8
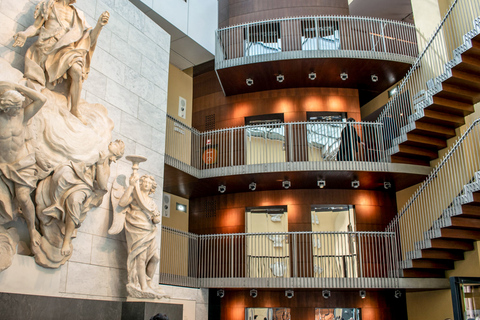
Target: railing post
295, 256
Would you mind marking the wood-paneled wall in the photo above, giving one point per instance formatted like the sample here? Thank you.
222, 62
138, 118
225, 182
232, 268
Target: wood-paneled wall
293, 103
374, 209
378, 304
231, 12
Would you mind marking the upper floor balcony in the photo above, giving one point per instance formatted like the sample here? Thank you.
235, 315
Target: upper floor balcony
357, 46
334, 151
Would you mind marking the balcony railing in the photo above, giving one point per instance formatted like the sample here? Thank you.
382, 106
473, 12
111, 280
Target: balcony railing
280, 260
315, 37
294, 146
429, 208
423, 79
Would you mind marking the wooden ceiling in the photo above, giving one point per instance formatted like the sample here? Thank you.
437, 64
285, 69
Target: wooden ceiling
182, 184
327, 71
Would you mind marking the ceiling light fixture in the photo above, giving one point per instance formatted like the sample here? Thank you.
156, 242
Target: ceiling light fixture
249, 82
312, 75
280, 78
343, 76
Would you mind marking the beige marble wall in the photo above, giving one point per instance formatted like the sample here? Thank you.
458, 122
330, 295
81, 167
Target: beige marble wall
129, 76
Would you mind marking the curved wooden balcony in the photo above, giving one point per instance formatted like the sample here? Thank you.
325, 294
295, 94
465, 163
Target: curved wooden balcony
334, 151
331, 45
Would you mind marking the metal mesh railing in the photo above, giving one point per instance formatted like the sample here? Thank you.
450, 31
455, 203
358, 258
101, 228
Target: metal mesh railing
417, 88
291, 259
427, 210
315, 37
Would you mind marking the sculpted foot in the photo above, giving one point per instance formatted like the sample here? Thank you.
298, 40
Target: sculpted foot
35, 238
79, 116
66, 248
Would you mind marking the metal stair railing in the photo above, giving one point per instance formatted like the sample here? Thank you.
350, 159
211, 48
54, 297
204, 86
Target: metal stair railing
441, 53
417, 221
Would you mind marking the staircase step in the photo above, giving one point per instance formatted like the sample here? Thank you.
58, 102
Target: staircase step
431, 264
450, 106
470, 210
458, 92
431, 129
465, 223
407, 160
469, 63
437, 254
454, 233
412, 151
422, 141
451, 244
423, 273
443, 118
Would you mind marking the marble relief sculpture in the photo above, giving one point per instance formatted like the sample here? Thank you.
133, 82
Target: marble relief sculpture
55, 148
64, 47
137, 212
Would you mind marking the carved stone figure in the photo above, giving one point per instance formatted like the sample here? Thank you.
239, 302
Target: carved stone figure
18, 170
63, 200
64, 47
137, 212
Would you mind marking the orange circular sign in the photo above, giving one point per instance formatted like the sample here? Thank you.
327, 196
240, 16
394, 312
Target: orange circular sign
209, 156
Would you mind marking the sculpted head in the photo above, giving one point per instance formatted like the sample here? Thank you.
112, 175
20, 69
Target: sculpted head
116, 149
11, 102
147, 183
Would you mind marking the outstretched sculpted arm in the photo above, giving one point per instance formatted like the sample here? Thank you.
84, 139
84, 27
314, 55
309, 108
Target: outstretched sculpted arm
21, 37
102, 21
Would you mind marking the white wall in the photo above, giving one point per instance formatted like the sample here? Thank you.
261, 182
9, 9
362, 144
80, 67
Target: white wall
129, 76
191, 24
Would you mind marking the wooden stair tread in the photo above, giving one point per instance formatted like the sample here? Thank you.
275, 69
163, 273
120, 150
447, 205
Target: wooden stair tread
408, 150
439, 254
419, 140
443, 118
408, 160
456, 233
432, 264
431, 129
452, 244
458, 92
423, 273
470, 210
450, 106
465, 222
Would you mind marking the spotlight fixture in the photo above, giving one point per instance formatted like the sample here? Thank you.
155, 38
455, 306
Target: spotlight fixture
289, 294
253, 293
220, 293
321, 183
344, 76
312, 75
387, 185
363, 294
280, 78
286, 184
326, 294
222, 188
249, 81
355, 184
374, 78
252, 186
397, 294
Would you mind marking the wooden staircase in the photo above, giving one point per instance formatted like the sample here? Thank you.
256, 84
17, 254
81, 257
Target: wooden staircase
450, 236
443, 107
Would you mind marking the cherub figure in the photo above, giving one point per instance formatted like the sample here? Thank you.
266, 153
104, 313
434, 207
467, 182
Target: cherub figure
137, 212
64, 47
